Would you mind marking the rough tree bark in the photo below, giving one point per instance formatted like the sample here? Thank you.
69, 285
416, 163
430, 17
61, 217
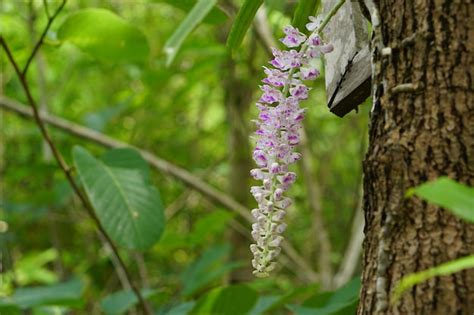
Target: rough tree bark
422, 127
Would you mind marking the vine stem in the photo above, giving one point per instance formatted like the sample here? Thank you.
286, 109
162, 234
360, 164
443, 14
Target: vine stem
57, 154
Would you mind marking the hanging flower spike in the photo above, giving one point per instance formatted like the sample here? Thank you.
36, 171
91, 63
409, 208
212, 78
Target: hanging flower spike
278, 123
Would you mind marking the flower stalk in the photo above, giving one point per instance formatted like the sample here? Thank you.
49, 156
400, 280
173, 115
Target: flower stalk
278, 124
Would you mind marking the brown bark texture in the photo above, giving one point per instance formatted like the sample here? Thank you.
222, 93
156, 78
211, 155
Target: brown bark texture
422, 127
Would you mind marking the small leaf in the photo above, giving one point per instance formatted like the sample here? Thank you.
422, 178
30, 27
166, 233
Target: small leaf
128, 207
67, 293
195, 16
303, 10
447, 193
242, 22
441, 270
104, 35
121, 301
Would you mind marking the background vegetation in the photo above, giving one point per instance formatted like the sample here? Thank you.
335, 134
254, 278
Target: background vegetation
179, 110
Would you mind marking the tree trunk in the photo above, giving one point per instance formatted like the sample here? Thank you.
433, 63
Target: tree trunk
422, 127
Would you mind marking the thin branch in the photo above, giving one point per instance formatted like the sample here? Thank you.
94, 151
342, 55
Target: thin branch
62, 163
46, 8
42, 36
162, 165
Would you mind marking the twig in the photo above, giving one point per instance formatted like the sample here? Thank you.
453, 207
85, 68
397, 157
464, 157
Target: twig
46, 8
162, 165
59, 158
43, 35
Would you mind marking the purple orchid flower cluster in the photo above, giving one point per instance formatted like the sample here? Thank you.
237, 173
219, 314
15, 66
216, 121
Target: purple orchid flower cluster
279, 120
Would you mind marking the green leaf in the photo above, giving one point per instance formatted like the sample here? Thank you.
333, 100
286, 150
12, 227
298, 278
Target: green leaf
441, 270
340, 302
303, 10
448, 194
31, 268
182, 309
264, 303
104, 35
206, 269
242, 22
195, 16
215, 16
121, 301
128, 207
127, 158
297, 293
209, 225
67, 293
231, 300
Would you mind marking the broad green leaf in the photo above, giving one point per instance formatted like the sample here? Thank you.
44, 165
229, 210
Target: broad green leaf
231, 300
303, 10
128, 207
242, 22
121, 301
195, 16
104, 35
206, 269
66, 293
127, 158
215, 16
448, 194
442, 270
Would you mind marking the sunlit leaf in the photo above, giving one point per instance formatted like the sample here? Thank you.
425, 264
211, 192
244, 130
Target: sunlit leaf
449, 194
442, 270
242, 22
128, 207
104, 35
194, 17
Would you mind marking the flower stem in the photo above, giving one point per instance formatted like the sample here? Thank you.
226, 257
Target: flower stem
304, 47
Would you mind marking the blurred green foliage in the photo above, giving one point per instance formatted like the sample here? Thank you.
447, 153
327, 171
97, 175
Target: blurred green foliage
176, 112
